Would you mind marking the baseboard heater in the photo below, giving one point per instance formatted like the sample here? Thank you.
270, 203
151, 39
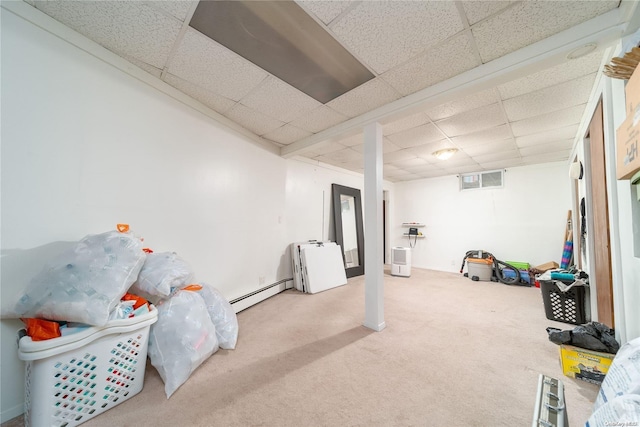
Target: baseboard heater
261, 294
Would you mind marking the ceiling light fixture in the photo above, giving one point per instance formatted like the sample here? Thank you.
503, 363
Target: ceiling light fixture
445, 154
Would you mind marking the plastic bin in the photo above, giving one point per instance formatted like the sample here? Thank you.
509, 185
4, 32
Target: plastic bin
73, 378
524, 274
519, 265
567, 307
482, 268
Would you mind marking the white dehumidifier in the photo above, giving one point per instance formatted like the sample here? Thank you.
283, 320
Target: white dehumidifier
401, 261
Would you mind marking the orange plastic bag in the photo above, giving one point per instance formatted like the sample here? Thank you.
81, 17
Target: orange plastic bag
40, 329
139, 301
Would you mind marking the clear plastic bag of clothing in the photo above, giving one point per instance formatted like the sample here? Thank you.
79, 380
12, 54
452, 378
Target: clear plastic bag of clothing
182, 338
222, 315
85, 283
160, 273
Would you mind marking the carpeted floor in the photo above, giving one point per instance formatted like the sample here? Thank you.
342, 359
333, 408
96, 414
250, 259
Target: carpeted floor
454, 353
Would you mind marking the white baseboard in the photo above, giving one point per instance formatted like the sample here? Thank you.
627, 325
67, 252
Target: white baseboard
11, 413
260, 295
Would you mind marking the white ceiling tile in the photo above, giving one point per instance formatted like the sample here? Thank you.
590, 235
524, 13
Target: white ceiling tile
323, 148
424, 168
486, 136
569, 70
398, 125
124, 27
366, 97
397, 156
408, 177
279, 100
433, 174
501, 164
387, 147
549, 121
384, 34
555, 156
533, 150
449, 59
409, 163
458, 159
287, 134
567, 132
355, 166
253, 120
426, 151
457, 106
416, 136
397, 172
208, 98
503, 155
455, 170
178, 9
493, 147
319, 119
473, 120
558, 97
352, 140
341, 156
325, 11
198, 58
388, 168
478, 10
531, 21
328, 161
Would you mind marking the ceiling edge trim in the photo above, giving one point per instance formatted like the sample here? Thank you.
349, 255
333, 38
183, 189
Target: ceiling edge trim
603, 29
43, 21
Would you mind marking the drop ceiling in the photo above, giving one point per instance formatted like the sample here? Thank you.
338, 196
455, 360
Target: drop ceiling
490, 78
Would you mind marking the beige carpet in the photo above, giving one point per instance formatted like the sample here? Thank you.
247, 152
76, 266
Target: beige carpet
454, 353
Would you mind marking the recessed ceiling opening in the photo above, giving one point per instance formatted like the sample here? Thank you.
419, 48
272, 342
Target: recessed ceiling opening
281, 38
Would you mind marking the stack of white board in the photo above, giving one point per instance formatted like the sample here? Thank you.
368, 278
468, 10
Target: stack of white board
317, 266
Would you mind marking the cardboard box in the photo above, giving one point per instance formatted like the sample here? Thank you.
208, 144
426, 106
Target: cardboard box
628, 134
547, 266
628, 147
583, 364
632, 92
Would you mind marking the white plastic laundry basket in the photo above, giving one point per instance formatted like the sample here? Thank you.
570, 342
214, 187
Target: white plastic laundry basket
73, 378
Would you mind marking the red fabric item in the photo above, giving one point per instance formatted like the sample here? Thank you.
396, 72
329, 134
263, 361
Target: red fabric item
139, 301
40, 329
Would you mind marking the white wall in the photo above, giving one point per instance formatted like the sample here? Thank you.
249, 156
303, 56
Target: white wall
309, 202
523, 221
624, 214
627, 210
86, 146
629, 215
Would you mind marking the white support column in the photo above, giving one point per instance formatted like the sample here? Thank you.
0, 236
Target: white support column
374, 261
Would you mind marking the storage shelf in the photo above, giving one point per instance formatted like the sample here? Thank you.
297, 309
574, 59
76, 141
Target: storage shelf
412, 224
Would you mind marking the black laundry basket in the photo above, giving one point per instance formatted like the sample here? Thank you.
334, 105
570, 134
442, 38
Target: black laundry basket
567, 307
